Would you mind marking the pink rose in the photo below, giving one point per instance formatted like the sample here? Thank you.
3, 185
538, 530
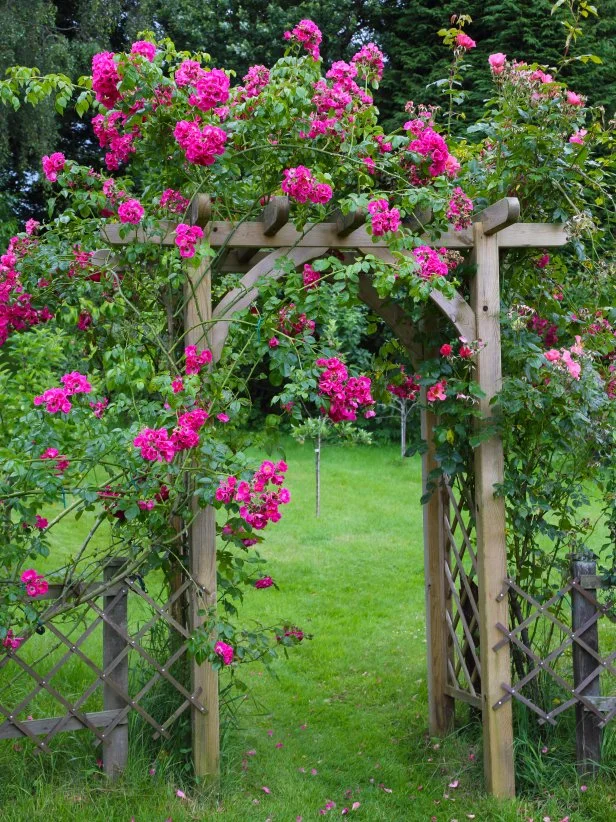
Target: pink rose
497, 62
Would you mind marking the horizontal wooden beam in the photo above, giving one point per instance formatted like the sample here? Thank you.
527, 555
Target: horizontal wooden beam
499, 215
605, 704
533, 235
41, 727
252, 235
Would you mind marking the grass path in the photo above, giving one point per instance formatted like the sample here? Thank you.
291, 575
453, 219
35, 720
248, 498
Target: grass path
346, 712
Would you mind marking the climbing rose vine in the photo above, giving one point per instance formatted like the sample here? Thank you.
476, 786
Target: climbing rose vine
111, 413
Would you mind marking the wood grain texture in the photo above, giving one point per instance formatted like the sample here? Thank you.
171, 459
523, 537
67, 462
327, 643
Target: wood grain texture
587, 731
490, 523
499, 215
115, 750
441, 705
202, 542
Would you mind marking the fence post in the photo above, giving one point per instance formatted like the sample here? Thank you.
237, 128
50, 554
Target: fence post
441, 706
587, 730
490, 524
115, 748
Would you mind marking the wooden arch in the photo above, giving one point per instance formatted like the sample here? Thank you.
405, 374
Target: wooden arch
253, 249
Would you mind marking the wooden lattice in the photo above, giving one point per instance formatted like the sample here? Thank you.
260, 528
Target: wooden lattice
462, 615
124, 645
580, 683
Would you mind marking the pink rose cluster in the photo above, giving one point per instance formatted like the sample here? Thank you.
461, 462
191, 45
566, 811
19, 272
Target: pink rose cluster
465, 351
60, 460
291, 323
264, 582
53, 165
11, 641
255, 80
544, 329
57, 399
459, 209
431, 263
174, 201
105, 78
370, 62
342, 95
384, 218
195, 360
36, 584
131, 211
310, 277
211, 89
408, 389
224, 651
301, 185
156, 445
429, 144
144, 49
306, 34
346, 395
108, 130
201, 145
564, 358
259, 503
186, 238
16, 310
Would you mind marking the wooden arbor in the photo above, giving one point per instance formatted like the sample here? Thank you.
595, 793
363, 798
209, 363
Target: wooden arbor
464, 527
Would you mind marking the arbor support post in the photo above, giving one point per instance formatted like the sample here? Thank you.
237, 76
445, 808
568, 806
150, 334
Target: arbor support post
441, 706
490, 523
202, 550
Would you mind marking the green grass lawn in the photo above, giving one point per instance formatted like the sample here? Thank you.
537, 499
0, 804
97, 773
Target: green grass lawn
344, 718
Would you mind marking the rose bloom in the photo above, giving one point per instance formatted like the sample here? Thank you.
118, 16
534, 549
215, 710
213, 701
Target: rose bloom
497, 62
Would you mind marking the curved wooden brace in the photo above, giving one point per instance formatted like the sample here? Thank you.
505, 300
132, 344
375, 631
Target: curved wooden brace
393, 316
241, 297
456, 309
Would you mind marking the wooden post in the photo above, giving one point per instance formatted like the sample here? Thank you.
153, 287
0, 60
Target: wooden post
587, 730
490, 521
202, 542
115, 748
440, 705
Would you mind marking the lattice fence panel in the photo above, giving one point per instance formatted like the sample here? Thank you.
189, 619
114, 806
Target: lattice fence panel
98, 655
551, 683
464, 661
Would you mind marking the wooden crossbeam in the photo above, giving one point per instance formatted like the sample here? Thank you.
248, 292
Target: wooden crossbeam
42, 727
252, 235
499, 215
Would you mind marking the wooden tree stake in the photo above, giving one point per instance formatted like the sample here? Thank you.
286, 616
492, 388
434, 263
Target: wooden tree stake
490, 520
202, 540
